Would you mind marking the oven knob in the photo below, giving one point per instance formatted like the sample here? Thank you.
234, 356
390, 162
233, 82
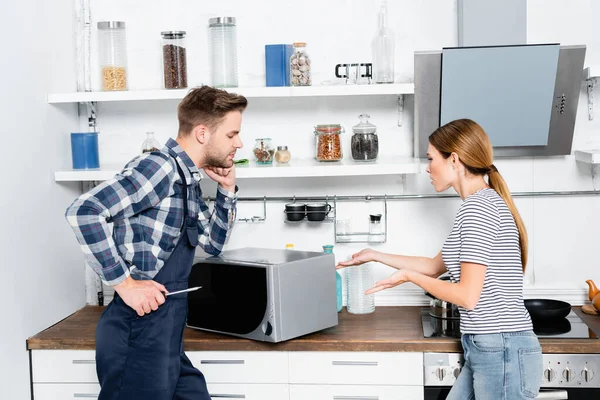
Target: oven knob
587, 374
440, 373
456, 372
568, 374
549, 374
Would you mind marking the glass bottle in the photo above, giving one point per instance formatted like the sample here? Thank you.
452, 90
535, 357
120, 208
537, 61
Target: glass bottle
174, 59
328, 248
358, 280
300, 66
150, 144
263, 151
328, 142
364, 143
383, 47
112, 55
222, 46
282, 155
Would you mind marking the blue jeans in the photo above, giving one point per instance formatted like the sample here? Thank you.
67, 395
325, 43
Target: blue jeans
499, 366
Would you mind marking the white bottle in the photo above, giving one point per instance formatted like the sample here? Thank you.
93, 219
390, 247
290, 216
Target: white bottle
384, 49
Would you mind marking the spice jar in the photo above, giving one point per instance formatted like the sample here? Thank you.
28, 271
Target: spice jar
263, 151
300, 66
364, 143
282, 155
174, 59
328, 142
113, 55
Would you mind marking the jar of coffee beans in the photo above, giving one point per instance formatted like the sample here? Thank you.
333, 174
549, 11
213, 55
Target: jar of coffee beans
174, 59
328, 142
364, 143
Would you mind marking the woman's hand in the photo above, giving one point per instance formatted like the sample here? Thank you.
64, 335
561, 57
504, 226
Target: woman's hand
359, 258
398, 278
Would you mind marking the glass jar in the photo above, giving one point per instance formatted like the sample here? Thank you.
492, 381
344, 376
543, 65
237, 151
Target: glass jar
300, 66
263, 151
358, 280
150, 144
112, 55
328, 142
174, 59
282, 155
365, 143
375, 224
222, 46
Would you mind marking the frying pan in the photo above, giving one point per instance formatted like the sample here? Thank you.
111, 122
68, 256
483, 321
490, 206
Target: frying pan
546, 309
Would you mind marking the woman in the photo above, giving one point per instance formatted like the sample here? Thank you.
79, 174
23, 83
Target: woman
486, 255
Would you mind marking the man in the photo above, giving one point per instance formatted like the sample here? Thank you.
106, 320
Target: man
139, 339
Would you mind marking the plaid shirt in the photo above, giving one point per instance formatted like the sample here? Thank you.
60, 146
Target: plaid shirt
144, 202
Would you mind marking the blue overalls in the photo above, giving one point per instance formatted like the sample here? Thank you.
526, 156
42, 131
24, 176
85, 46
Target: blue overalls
142, 358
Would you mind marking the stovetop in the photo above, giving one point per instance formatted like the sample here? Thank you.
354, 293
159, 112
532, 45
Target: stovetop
571, 327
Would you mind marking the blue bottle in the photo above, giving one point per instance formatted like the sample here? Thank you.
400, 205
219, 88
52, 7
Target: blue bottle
328, 248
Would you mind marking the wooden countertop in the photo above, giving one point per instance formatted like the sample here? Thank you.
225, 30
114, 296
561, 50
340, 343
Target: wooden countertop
387, 329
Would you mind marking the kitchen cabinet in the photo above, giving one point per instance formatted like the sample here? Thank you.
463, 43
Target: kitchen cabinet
264, 375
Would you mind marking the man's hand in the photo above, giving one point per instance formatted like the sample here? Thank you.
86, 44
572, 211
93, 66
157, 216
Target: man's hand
223, 176
143, 296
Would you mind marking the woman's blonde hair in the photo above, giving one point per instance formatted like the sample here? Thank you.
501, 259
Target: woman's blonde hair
472, 145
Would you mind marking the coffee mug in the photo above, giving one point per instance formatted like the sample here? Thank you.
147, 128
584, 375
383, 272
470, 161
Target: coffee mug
295, 211
354, 72
317, 211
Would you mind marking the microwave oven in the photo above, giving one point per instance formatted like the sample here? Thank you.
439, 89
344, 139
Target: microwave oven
263, 294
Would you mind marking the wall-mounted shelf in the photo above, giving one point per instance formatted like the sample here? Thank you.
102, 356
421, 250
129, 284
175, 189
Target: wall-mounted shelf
294, 169
360, 237
588, 156
249, 92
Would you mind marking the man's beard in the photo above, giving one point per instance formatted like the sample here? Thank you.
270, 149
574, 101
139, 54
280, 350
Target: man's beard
213, 160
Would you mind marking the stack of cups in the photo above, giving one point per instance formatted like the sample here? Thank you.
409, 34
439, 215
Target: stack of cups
358, 280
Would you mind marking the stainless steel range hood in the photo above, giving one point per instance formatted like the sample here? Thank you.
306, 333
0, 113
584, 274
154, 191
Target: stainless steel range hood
433, 98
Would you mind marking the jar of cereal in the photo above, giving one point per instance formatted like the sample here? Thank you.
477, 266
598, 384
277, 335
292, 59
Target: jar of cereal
328, 142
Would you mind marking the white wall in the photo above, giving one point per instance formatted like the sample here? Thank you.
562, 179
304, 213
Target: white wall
562, 230
41, 270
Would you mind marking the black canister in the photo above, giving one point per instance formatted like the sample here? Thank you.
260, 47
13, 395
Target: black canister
364, 143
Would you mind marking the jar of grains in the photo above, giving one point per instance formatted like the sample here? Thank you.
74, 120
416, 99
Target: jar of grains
328, 142
113, 55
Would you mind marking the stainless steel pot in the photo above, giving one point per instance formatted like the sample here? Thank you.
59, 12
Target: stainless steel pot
441, 308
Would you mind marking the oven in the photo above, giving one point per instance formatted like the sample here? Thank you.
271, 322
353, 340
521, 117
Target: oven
566, 376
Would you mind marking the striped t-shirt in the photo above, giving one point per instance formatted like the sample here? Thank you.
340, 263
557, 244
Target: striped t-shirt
485, 232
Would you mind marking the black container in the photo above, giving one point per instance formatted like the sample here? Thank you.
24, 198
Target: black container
317, 211
295, 211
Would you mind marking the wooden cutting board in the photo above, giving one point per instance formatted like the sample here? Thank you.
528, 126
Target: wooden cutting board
589, 309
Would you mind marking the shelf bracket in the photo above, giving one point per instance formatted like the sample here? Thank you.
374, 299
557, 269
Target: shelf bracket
590, 91
257, 218
400, 109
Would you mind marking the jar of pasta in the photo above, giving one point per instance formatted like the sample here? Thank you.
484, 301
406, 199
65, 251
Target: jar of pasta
328, 142
113, 55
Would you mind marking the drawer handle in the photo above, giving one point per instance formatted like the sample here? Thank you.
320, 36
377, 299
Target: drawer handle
85, 395
228, 362
357, 363
227, 396
355, 397
84, 361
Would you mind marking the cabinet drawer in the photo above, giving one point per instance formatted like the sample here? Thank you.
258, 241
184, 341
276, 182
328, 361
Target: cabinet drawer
241, 366
219, 391
355, 392
366, 368
65, 391
76, 366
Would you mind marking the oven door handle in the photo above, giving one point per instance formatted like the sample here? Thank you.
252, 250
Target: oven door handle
552, 394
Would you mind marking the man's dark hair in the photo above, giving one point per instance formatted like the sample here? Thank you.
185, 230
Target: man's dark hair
206, 105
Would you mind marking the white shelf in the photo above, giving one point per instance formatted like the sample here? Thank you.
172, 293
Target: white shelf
294, 169
249, 92
593, 71
588, 156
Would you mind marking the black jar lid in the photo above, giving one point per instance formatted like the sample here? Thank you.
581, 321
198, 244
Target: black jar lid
375, 217
173, 34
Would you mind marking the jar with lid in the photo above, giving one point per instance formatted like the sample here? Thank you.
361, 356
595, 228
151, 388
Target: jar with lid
150, 144
282, 155
364, 143
222, 46
328, 142
174, 59
113, 55
300, 66
263, 151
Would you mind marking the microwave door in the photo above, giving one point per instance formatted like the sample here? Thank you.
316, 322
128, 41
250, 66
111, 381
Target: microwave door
233, 298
